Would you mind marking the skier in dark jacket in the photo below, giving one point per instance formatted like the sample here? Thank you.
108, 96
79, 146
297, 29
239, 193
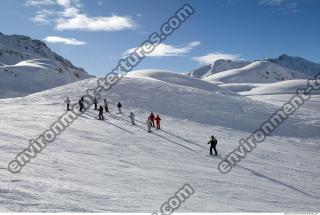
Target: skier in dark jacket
213, 141
101, 113
152, 119
95, 103
119, 107
80, 105
106, 105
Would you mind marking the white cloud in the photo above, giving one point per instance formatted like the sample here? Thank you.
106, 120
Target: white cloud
42, 17
165, 50
212, 57
39, 2
273, 2
71, 17
286, 6
66, 41
86, 23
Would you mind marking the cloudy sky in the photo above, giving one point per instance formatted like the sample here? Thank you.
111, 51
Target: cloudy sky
95, 34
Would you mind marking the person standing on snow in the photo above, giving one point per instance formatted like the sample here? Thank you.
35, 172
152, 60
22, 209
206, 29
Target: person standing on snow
119, 107
158, 119
149, 124
132, 118
213, 141
152, 119
80, 105
67, 101
106, 105
101, 113
95, 103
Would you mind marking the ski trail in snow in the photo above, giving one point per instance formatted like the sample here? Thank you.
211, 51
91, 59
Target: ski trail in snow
176, 136
91, 114
107, 122
260, 175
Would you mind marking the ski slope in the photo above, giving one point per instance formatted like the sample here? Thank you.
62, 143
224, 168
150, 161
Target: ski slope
282, 87
112, 166
256, 72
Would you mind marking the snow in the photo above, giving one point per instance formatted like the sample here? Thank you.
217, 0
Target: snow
112, 166
284, 64
298, 64
282, 87
178, 79
28, 66
217, 66
256, 72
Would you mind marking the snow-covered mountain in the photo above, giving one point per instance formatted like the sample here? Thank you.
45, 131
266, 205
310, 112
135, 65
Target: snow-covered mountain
113, 166
217, 66
295, 65
28, 66
298, 64
256, 72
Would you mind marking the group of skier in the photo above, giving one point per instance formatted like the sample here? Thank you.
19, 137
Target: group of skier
150, 121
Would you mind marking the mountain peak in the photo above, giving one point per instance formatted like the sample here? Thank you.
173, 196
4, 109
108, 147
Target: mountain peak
30, 65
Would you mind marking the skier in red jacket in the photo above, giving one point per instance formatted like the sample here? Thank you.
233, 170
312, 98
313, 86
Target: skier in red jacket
158, 119
152, 119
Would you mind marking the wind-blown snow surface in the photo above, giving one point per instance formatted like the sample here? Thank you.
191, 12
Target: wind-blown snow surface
282, 87
112, 166
217, 66
256, 72
29, 66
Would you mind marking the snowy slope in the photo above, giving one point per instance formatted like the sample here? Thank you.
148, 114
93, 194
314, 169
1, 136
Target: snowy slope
282, 87
217, 66
178, 79
299, 64
28, 66
257, 72
224, 65
111, 166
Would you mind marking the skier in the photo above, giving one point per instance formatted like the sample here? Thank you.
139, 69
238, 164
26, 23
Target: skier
158, 119
152, 119
213, 141
149, 124
67, 101
80, 105
132, 118
101, 113
119, 107
106, 105
95, 103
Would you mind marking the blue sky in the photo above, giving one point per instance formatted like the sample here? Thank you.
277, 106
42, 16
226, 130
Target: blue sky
95, 34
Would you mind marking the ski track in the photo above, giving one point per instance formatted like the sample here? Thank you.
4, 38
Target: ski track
112, 166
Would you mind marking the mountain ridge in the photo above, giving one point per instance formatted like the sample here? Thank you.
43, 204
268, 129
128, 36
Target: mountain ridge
28, 65
297, 64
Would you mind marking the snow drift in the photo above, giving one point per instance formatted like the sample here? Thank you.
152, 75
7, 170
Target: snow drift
28, 66
257, 72
112, 166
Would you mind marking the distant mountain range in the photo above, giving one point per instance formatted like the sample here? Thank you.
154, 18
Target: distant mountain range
260, 71
28, 65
